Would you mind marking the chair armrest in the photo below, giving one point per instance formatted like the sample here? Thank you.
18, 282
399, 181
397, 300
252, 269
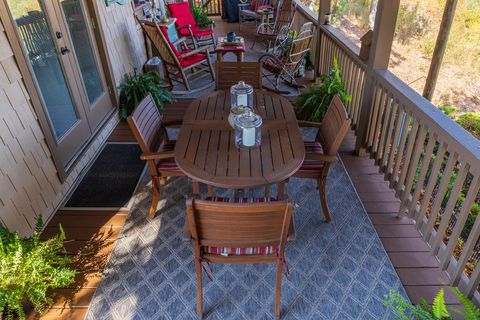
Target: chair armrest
204, 24
157, 155
185, 26
179, 40
308, 124
200, 49
320, 157
171, 123
240, 5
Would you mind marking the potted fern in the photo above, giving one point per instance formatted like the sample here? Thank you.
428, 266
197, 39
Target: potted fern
136, 85
313, 103
30, 267
438, 310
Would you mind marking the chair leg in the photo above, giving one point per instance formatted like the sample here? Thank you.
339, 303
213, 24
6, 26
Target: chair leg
155, 196
322, 182
278, 289
253, 44
185, 80
198, 270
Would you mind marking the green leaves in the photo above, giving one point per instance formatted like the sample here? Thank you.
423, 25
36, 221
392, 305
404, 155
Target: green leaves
134, 88
313, 104
28, 268
439, 309
199, 15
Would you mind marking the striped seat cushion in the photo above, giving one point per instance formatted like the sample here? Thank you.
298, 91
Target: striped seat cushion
240, 200
240, 251
312, 165
167, 164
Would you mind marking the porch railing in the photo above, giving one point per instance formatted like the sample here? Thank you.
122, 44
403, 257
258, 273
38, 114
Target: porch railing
211, 7
431, 163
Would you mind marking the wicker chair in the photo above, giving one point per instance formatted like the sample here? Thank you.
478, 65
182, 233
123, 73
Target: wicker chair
258, 234
269, 32
285, 64
200, 34
322, 152
180, 66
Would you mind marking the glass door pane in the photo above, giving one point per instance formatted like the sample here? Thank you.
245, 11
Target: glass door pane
75, 21
35, 33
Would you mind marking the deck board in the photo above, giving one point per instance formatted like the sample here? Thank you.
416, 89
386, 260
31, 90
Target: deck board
92, 235
418, 270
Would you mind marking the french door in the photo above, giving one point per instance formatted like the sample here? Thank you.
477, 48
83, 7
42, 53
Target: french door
59, 47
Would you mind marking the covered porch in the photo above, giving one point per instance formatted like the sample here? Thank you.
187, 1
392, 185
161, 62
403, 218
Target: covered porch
339, 270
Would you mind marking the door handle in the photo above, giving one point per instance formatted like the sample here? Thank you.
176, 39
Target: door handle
64, 50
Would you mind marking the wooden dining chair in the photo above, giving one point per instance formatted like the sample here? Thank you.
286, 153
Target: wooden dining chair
322, 152
157, 149
230, 73
239, 233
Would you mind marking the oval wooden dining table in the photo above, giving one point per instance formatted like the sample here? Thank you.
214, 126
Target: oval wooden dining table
205, 149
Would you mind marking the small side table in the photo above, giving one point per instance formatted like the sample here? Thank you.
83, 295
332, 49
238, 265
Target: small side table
221, 49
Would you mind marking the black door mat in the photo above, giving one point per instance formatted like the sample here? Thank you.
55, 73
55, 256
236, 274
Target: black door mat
111, 180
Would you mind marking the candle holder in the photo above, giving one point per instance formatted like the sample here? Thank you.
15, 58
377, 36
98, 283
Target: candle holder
235, 112
241, 94
248, 130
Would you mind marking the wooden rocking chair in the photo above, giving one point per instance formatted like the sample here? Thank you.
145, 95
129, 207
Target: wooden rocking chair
180, 66
200, 34
268, 32
285, 65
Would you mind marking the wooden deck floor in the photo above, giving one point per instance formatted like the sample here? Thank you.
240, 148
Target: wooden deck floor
417, 268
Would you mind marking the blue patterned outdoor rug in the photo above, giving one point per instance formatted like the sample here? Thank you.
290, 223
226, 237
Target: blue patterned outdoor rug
338, 270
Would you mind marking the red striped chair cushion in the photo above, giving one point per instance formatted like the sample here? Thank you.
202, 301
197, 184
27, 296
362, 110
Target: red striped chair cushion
240, 251
312, 165
240, 200
167, 164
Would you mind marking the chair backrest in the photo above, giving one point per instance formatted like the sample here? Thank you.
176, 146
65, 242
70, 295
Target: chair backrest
146, 125
334, 126
285, 16
298, 49
168, 52
181, 11
230, 73
239, 225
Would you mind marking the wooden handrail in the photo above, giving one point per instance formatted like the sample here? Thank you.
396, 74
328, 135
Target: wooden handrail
429, 160
467, 146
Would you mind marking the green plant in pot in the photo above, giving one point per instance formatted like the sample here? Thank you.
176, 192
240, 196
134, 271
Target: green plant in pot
200, 15
136, 85
313, 103
29, 267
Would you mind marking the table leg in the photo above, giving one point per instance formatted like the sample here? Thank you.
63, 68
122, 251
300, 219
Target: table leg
219, 57
210, 190
196, 189
239, 56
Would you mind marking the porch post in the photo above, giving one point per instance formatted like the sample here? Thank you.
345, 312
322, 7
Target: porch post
323, 7
383, 32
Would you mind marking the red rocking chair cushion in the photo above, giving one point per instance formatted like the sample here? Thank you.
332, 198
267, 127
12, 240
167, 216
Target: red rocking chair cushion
187, 61
181, 11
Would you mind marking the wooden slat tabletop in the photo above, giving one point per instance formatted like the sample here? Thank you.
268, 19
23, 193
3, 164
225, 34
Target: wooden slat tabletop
206, 152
